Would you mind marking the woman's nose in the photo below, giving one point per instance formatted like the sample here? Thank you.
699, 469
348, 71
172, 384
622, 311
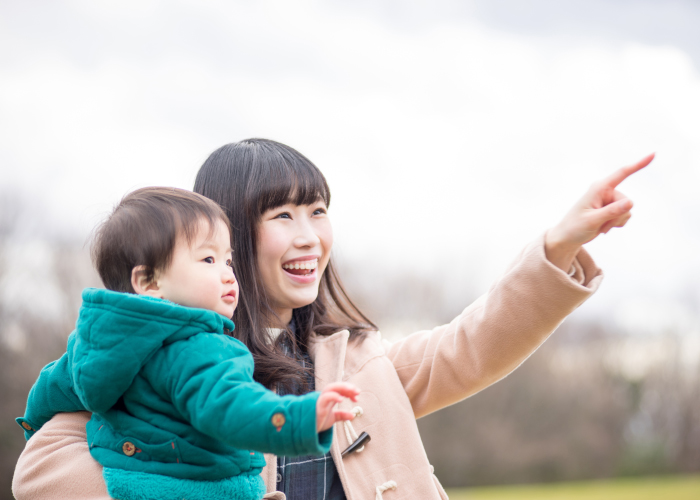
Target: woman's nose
306, 235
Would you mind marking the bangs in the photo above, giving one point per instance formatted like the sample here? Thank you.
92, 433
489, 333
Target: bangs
288, 177
192, 224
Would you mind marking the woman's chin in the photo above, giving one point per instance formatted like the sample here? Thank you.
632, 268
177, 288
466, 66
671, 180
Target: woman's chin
298, 300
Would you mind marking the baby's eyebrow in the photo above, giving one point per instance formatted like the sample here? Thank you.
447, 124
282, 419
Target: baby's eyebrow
212, 246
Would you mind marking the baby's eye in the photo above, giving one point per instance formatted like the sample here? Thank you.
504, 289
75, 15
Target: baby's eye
208, 260
229, 262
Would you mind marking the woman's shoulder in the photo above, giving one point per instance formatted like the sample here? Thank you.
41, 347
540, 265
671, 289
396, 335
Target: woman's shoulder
363, 349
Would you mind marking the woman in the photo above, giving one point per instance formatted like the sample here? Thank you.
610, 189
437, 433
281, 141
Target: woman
304, 332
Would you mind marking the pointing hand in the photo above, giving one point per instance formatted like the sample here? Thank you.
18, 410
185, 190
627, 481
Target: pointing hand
599, 210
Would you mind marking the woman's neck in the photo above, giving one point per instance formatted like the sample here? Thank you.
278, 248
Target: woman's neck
284, 317
277, 328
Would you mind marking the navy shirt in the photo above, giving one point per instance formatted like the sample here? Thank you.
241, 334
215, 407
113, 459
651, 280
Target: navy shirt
308, 477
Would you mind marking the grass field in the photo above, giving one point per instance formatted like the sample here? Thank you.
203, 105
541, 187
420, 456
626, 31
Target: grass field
656, 488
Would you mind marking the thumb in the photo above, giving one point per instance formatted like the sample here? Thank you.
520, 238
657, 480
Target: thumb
613, 210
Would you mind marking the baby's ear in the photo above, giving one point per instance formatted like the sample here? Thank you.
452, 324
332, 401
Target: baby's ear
144, 284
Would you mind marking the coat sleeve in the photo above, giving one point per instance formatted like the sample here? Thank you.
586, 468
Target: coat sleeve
495, 334
56, 462
52, 393
212, 386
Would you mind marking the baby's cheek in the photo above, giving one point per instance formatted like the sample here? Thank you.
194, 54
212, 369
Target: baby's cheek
207, 295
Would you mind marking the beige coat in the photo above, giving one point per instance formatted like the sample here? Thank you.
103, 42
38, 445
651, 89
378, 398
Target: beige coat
400, 382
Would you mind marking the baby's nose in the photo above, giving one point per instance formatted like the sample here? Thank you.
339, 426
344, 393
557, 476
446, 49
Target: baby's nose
228, 276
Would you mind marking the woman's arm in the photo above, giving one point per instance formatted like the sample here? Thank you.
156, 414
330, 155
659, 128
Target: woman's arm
56, 463
493, 336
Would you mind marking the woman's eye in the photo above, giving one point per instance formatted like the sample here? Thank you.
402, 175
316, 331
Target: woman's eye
283, 215
320, 211
229, 263
208, 260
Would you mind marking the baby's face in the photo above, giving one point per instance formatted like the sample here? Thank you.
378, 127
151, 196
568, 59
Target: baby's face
200, 274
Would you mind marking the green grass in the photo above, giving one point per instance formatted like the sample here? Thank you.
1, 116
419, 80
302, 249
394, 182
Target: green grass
648, 488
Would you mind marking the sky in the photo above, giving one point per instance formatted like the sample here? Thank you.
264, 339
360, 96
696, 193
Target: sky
452, 133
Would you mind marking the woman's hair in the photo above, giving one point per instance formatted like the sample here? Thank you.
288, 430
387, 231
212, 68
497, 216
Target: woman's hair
143, 230
248, 178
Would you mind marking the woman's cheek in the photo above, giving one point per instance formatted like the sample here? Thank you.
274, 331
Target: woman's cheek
326, 236
271, 249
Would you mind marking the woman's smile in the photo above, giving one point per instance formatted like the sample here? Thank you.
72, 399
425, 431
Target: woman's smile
303, 267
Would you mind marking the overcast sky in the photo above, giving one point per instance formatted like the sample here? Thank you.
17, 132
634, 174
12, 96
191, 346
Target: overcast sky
451, 132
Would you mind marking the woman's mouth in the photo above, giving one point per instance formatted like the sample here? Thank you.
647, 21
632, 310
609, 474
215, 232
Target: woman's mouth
301, 267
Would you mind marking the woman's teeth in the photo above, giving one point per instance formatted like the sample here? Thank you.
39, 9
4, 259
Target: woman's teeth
305, 266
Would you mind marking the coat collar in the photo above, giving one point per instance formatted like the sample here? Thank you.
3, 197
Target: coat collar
328, 354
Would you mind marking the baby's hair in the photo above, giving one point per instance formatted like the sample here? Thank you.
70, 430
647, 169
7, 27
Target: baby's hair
143, 230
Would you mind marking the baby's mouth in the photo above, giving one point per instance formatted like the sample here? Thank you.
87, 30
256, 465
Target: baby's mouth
301, 267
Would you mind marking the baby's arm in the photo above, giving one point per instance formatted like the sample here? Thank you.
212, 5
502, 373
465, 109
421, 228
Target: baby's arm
211, 384
52, 393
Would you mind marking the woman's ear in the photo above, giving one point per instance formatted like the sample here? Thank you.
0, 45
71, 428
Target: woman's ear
142, 284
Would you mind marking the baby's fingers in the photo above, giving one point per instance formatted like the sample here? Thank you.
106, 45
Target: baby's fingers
329, 399
340, 415
326, 416
345, 389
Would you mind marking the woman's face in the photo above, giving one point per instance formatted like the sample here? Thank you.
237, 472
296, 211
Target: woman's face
294, 245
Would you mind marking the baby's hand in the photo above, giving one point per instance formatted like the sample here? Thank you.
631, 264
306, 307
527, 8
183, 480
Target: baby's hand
333, 394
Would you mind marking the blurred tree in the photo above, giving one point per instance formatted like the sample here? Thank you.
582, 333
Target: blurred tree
29, 337
571, 411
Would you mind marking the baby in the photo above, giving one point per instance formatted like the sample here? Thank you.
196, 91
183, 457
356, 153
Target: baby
176, 413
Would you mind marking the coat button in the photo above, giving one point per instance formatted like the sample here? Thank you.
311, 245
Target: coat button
27, 426
279, 478
128, 449
278, 421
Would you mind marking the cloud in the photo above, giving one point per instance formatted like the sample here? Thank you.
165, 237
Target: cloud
455, 141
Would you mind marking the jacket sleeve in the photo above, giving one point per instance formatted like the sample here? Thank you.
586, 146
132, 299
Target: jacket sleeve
212, 386
495, 334
52, 393
56, 462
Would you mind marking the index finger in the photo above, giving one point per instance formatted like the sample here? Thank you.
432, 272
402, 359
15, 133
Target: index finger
620, 175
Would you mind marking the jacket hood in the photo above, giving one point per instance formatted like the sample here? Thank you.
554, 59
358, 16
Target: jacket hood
117, 333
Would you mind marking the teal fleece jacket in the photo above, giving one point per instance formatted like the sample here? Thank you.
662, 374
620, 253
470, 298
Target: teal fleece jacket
170, 392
